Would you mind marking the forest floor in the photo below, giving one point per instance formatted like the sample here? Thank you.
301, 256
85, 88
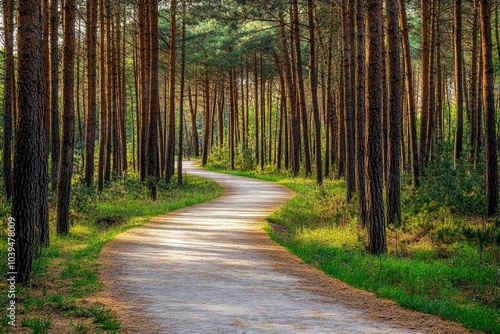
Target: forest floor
211, 268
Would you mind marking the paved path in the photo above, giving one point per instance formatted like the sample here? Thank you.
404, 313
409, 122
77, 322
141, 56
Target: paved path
211, 268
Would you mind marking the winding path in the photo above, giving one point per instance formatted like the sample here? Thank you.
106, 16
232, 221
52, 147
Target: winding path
210, 268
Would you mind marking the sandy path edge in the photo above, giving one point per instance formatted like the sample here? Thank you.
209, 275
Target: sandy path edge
144, 288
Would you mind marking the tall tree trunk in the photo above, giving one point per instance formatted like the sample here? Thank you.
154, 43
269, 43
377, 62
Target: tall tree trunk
123, 126
171, 76
30, 165
412, 119
181, 102
232, 113
68, 118
154, 100
489, 109
295, 127
206, 119
433, 28
457, 52
90, 126
116, 93
395, 115
301, 90
9, 94
46, 62
262, 114
313, 77
341, 133
256, 112
282, 121
164, 134
44, 134
244, 110
375, 203
220, 126
348, 66
109, 92
79, 90
474, 92
193, 108
424, 112
360, 110
330, 104
55, 146
144, 72
103, 105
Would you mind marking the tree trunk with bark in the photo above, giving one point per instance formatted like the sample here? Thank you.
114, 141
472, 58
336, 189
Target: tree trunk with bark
103, 105
474, 92
489, 109
55, 145
68, 118
395, 115
348, 66
313, 77
292, 98
458, 71
30, 167
9, 94
375, 202
412, 118
360, 110
171, 104
301, 91
181, 102
153, 170
90, 123
424, 112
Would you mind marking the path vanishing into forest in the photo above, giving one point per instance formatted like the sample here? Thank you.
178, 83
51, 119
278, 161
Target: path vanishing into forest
211, 268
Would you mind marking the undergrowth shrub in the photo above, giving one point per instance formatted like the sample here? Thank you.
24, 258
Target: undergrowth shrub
243, 158
83, 199
459, 188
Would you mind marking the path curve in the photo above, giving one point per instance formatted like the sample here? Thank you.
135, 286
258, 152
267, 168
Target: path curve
211, 268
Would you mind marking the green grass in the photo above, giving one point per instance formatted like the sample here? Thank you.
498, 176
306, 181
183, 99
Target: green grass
454, 280
37, 325
66, 272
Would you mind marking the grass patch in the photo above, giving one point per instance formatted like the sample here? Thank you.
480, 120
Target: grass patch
431, 267
64, 275
37, 325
